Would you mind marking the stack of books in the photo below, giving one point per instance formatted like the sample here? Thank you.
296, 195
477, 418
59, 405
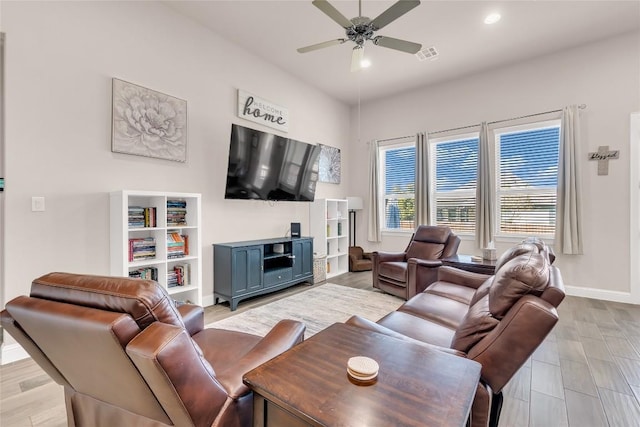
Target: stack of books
136, 216
142, 248
179, 275
142, 217
176, 213
148, 273
177, 245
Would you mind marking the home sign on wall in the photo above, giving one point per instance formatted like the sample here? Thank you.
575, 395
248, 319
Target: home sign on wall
258, 110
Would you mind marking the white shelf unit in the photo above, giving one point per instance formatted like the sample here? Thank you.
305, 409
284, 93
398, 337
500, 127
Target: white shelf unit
121, 233
329, 224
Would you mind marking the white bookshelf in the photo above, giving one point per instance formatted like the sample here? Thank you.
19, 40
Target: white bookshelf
329, 225
121, 233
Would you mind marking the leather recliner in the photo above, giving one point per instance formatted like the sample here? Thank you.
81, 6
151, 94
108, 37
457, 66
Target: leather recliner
407, 273
496, 320
126, 355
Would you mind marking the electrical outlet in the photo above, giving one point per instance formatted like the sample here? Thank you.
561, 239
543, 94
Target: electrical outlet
37, 204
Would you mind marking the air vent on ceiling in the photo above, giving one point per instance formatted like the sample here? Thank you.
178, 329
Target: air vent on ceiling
427, 53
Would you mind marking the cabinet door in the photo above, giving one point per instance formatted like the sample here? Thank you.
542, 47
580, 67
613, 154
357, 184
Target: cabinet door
303, 261
247, 269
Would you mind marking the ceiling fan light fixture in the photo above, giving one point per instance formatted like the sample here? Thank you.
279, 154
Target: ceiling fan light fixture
365, 63
356, 58
492, 18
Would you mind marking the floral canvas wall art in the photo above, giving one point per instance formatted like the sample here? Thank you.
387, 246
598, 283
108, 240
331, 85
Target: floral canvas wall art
329, 164
148, 123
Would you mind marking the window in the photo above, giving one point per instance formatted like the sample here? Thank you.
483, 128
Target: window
398, 171
454, 176
526, 173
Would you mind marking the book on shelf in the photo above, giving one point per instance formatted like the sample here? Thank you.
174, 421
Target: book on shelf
140, 217
177, 245
179, 275
176, 213
150, 217
142, 248
147, 273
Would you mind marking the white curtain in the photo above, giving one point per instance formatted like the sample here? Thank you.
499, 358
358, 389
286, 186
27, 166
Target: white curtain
423, 210
484, 191
568, 236
374, 233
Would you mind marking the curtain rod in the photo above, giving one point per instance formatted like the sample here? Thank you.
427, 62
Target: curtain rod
581, 106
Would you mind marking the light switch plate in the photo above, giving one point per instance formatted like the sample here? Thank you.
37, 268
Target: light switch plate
37, 204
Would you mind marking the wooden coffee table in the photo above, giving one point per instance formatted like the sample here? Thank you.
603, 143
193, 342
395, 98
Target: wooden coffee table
416, 385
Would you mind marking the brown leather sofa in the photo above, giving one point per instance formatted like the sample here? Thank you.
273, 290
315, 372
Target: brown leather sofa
497, 320
407, 273
127, 356
359, 260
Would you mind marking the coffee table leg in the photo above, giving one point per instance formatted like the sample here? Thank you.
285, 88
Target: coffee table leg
258, 410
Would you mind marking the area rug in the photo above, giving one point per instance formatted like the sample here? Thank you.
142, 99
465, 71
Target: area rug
317, 308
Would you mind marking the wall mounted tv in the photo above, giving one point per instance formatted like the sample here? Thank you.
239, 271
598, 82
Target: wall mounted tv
265, 166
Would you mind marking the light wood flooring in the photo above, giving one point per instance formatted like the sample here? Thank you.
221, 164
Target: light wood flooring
585, 374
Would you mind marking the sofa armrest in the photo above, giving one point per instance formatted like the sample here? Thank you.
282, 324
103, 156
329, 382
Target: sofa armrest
367, 255
461, 277
554, 292
361, 322
284, 335
388, 256
421, 273
428, 263
193, 317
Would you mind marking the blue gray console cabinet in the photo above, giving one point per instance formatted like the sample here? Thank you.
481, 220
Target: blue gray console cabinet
245, 269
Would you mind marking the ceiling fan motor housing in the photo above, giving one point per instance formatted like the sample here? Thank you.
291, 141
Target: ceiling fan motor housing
361, 30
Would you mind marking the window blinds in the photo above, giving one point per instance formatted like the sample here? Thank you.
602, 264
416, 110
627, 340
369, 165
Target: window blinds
456, 173
399, 187
527, 180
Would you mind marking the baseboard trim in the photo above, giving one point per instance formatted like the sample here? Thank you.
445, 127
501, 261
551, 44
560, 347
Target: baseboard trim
207, 300
12, 353
615, 296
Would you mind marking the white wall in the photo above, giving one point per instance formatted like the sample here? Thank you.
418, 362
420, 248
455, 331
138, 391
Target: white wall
60, 59
603, 75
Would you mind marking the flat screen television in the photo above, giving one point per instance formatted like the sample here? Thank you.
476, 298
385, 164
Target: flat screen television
264, 166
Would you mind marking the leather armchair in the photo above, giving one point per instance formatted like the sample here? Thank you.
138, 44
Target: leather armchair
126, 355
359, 260
407, 273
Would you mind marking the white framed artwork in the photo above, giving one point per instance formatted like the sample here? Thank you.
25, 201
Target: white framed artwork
329, 164
148, 123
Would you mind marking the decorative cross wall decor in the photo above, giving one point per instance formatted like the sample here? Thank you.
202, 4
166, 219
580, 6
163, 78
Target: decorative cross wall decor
603, 155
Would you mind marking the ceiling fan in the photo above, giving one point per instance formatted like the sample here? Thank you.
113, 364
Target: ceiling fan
361, 29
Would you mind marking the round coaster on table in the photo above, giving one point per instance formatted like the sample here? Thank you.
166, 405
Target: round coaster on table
362, 368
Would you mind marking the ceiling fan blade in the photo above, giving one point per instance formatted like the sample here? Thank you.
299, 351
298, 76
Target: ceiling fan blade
397, 44
394, 12
332, 13
320, 45
356, 58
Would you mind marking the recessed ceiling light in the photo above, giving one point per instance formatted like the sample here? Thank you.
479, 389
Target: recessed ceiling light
365, 63
492, 18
